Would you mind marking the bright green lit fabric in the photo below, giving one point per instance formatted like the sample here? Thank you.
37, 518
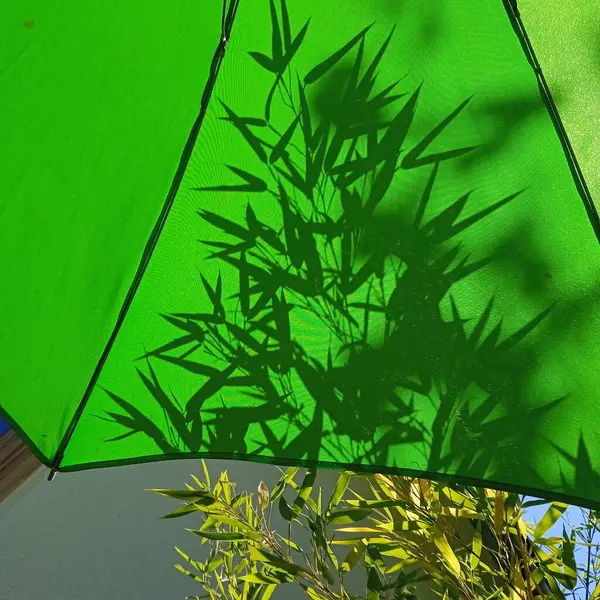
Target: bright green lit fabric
396, 277
567, 43
87, 159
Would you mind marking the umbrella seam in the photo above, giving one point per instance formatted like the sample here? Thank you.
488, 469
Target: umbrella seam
482, 482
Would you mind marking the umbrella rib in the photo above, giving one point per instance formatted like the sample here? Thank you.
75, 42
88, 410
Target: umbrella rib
576, 172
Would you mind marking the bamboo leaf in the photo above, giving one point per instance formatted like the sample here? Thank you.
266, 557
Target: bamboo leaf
264, 61
214, 295
189, 574
324, 569
568, 551
374, 584
550, 517
322, 68
285, 510
254, 142
440, 540
499, 512
376, 503
283, 483
276, 47
258, 554
312, 594
350, 515
475, 555
197, 565
269, 589
354, 555
189, 508
244, 285
267, 578
596, 593
296, 43
285, 25
341, 486
215, 563
253, 183
414, 158
290, 543
206, 475
531, 503
284, 140
304, 491
191, 495
372, 538
226, 536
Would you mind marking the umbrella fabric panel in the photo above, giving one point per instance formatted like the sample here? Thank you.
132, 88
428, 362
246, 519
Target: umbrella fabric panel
566, 37
416, 294
356, 274
98, 98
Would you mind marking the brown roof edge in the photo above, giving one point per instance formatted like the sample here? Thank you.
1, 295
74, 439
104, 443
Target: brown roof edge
17, 463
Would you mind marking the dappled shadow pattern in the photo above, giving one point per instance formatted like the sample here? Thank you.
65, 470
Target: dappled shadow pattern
370, 270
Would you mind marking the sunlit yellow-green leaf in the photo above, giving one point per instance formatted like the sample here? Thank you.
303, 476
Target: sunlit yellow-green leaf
197, 565
440, 540
550, 517
397, 552
313, 594
233, 536
499, 512
188, 509
462, 513
475, 555
338, 492
348, 515
352, 540
304, 491
354, 555
283, 482
376, 503
595, 593
267, 579
269, 589
214, 563
290, 543
198, 482
190, 495
189, 573
258, 554
425, 488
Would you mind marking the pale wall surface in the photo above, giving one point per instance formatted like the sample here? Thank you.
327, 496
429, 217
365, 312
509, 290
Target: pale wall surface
95, 535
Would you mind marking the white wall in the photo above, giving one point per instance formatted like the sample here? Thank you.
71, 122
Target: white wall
96, 535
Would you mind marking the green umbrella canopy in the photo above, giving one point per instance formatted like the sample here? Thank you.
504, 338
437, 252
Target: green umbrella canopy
346, 234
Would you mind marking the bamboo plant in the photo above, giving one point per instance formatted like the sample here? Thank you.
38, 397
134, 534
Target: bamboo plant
409, 538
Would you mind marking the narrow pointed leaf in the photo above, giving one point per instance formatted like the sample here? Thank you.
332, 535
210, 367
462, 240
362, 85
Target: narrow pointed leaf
322, 68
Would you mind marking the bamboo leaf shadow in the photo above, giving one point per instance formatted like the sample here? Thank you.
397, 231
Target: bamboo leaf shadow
253, 184
372, 268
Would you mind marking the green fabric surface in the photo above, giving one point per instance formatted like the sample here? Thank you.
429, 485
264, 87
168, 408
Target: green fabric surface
377, 258
566, 38
87, 159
